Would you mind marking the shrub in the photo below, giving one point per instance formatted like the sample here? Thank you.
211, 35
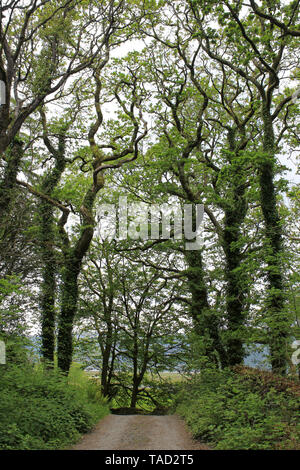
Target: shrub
226, 410
45, 410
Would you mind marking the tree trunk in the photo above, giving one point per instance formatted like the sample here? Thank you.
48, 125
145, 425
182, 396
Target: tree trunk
235, 208
72, 265
14, 155
47, 236
206, 323
105, 369
235, 288
69, 299
48, 287
134, 395
277, 320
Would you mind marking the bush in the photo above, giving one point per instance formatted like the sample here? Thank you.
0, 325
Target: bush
225, 409
45, 410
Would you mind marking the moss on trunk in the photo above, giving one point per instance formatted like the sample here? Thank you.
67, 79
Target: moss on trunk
277, 319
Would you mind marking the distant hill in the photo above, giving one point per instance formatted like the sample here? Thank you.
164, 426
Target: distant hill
256, 356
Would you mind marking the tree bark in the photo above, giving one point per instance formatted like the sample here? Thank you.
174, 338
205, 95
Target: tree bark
235, 287
235, 208
72, 265
277, 319
134, 394
14, 156
205, 321
47, 236
106, 356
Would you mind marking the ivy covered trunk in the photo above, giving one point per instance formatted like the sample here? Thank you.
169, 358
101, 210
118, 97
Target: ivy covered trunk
49, 265
69, 299
235, 288
13, 158
73, 257
48, 285
235, 208
277, 319
205, 320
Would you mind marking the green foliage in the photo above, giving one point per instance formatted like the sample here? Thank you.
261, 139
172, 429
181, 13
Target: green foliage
45, 410
216, 85
226, 410
156, 394
13, 301
159, 392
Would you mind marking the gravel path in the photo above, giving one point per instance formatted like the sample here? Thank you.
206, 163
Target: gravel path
136, 432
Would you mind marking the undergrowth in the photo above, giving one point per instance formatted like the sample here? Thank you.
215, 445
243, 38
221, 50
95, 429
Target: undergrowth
44, 409
242, 409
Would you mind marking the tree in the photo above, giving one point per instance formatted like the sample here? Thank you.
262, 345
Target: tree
132, 317
47, 235
74, 253
198, 165
42, 45
67, 59
265, 47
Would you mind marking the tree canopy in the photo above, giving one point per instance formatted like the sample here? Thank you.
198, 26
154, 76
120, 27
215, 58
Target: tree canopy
165, 104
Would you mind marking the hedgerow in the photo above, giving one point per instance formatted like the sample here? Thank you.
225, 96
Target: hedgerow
241, 410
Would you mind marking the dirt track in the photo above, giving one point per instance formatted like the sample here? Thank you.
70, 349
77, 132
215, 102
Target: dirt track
135, 432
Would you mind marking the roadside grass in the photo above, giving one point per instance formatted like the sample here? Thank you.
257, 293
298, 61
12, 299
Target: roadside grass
44, 410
